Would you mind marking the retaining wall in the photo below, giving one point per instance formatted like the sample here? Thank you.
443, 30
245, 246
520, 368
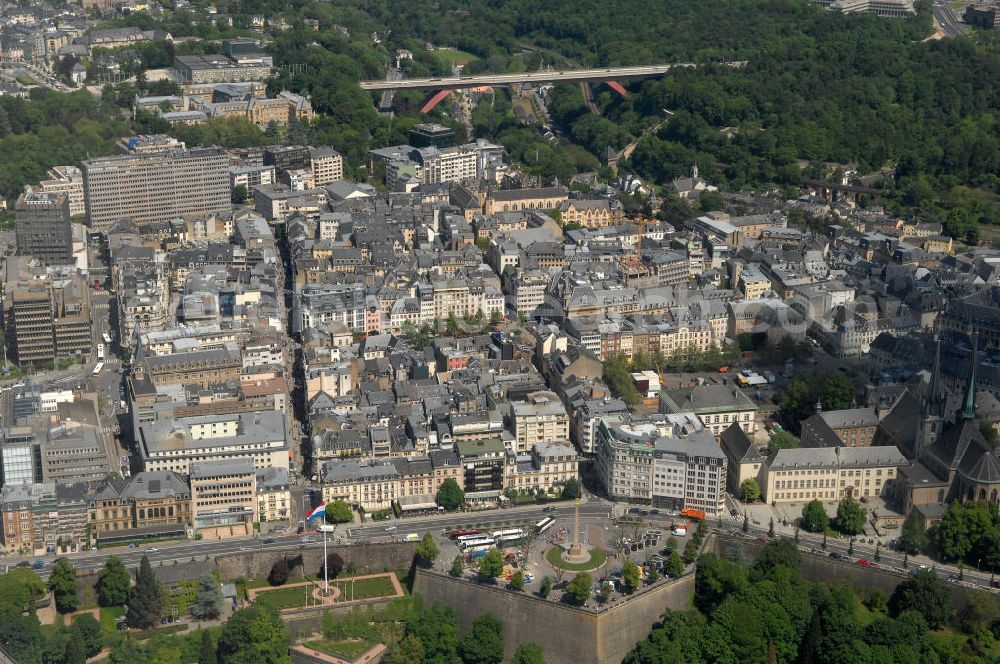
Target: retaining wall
365, 557
568, 634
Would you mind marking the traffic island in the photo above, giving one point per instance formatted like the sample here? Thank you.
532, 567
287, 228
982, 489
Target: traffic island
590, 559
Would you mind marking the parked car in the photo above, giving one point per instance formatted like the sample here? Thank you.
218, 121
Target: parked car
863, 562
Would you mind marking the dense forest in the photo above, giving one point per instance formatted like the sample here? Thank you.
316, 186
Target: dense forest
769, 614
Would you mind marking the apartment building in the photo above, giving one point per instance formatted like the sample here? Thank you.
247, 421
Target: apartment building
251, 176
673, 463
369, 485
441, 298
43, 517
831, 473
274, 501
541, 418
156, 186
327, 165
547, 467
202, 367
174, 443
483, 463
43, 228
322, 304
224, 497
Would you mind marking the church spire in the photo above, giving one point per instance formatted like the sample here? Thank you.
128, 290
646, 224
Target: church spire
969, 409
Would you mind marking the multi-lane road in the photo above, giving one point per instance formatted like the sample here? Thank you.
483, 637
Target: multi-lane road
947, 19
592, 513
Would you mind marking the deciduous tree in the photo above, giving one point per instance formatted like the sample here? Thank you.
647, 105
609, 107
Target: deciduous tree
850, 516
749, 490
924, 593
484, 642
427, 550
339, 512
62, 583
113, 583
579, 588
814, 517
254, 635
491, 565
449, 495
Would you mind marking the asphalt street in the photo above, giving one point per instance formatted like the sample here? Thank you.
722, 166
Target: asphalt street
947, 19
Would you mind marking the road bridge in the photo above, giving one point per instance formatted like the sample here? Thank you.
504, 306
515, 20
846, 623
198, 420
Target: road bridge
549, 76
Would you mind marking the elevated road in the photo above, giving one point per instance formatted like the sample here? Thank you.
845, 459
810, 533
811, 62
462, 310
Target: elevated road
570, 76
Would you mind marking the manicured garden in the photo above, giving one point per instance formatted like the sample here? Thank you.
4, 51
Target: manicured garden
285, 598
349, 649
379, 586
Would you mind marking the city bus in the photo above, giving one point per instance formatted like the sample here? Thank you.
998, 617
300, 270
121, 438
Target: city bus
461, 539
497, 534
544, 525
480, 548
456, 534
98, 369
100, 351
510, 537
475, 544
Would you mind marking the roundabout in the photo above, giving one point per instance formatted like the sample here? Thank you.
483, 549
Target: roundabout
590, 559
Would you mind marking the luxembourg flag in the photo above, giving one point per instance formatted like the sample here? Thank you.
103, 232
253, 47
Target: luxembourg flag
316, 513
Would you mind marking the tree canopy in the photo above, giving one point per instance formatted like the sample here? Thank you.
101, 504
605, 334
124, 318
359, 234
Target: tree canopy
253, 635
62, 583
484, 642
850, 516
749, 490
450, 496
113, 582
814, 517
923, 593
339, 512
579, 588
145, 602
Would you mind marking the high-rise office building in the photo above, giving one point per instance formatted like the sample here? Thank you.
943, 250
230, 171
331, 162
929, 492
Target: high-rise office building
156, 186
46, 313
43, 228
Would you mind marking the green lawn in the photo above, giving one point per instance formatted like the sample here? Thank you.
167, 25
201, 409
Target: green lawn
262, 582
285, 598
597, 558
108, 615
350, 650
455, 57
364, 589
